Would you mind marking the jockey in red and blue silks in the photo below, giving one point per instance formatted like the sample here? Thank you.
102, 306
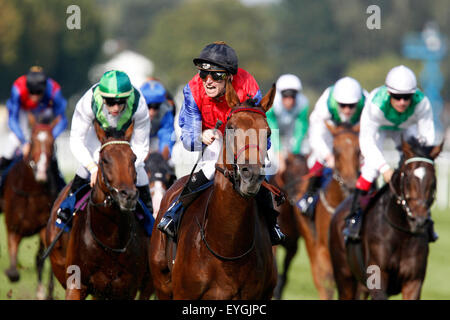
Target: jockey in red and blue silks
40, 95
204, 104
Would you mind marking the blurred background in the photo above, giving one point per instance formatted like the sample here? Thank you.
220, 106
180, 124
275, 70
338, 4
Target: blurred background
319, 41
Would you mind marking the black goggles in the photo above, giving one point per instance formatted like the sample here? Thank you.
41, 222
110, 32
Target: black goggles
36, 91
347, 105
406, 96
113, 101
216, 75
154, 105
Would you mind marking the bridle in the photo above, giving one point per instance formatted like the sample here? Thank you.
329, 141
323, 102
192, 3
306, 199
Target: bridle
109, 200
399, 197
233, 174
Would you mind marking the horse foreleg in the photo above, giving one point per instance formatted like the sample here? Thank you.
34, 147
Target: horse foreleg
13, 246
325, 273
40, 294
411, 290
291, 250
75, 294
51, 284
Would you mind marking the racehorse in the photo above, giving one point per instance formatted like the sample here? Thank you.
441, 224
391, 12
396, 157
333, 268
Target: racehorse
160, 177
223, 249
289, 181
345, 173
30, 189
106, 247
391, 256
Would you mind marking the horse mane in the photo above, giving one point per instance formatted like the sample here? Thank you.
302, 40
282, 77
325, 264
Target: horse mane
249, 103
114, 133
419, 148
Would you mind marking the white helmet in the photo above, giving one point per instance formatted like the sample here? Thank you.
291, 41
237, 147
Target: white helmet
347, 90
289, 82
401, 80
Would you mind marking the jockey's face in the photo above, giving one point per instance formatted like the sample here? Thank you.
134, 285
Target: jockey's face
401, 102
348, 110
152, 113
36, 97
114, 106
213, 88
288, 102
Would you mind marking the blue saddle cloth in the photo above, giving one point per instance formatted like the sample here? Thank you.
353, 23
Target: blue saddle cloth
325, 179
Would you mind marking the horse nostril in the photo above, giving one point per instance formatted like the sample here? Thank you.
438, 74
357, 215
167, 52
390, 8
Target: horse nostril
128, 194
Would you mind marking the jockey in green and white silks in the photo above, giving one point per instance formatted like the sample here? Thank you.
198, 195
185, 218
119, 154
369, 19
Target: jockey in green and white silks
289, 114
395, 110
114, 103
341, 103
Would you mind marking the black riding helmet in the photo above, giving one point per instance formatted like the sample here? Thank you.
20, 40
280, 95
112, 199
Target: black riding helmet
219, 54
36, 80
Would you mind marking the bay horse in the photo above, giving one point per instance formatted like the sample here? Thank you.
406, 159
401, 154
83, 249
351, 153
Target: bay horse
106, 244
223, 250
346, 152
391, 256
289, 182
30, 189
160, 177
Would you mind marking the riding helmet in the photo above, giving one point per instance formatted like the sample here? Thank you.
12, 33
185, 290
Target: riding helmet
36, 80
115, 84
219, 54
401, 80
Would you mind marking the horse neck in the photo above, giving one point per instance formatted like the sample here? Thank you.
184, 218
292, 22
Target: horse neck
103, 210
230, 217
334, 192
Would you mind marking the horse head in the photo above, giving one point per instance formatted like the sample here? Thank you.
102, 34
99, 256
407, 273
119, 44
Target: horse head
117, 173
414, 182
41, 147
245, 147
346, 153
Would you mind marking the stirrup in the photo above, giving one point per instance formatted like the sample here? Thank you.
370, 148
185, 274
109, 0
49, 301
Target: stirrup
276, 236
167, 223
352, 229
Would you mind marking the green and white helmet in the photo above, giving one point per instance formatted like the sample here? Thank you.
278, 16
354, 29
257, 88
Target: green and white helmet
115, 84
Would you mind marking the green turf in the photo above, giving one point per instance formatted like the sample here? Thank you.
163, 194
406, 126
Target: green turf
300, 285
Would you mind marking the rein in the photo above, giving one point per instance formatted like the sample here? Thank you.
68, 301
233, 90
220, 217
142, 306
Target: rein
202, 233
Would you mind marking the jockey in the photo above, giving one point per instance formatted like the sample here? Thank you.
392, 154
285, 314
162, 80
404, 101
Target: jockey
40, 95
114, 103
341, 103
204, 104
289, 115
392, 110
161, 113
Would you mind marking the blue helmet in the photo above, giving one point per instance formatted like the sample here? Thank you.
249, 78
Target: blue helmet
154, 92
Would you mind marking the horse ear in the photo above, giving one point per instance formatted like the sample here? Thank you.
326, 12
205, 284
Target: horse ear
436, 150
267, 100
129, 132
330, 127
101, 134
356, 127
31, 119
55, 122
231, 95
407, 150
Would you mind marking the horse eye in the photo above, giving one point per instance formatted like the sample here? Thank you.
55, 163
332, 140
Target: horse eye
105, 161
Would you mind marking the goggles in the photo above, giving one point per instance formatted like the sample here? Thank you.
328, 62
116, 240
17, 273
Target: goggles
347, 105
216, 75
406, 96
113, 101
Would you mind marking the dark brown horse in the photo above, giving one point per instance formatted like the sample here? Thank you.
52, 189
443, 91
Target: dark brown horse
29, 191
347, 163
392, 255
107, 247
223, 248
160, 177
289, 181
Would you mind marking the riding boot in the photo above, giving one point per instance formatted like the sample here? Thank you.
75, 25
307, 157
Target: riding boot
353, 221
305, 203
4, 163
265, 205
169, 221
60, 182
67, 206
432, 235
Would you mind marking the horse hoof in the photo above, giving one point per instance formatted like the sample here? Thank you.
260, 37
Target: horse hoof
13, 275
40, 294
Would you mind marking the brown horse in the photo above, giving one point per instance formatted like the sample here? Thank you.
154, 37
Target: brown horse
392, 254
223, 248
29, 191
160, 177
107, 246
347, 162
289, 181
